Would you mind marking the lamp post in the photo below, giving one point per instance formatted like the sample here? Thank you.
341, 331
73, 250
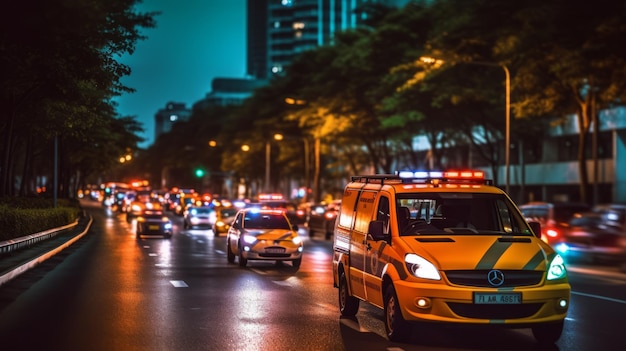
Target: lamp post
307, 158
507, 114
268, 152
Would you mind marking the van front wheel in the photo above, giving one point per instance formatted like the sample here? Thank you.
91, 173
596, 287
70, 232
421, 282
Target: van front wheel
348, 304
397, 328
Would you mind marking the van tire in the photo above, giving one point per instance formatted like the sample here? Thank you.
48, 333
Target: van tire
548, 334
396, 327
348, 304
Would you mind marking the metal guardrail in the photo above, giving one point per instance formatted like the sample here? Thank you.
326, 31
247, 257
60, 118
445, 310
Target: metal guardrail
22, 264
30, 240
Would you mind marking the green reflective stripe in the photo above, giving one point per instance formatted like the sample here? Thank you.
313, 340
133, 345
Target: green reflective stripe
284, 237
400, 268
493, 255
536, 261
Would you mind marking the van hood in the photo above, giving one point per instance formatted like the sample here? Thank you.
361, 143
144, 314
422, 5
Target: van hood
459, 252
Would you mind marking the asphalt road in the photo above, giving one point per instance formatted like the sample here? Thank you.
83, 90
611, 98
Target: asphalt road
110, 291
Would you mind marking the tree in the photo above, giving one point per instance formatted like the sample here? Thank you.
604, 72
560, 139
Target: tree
571, 63
59, 76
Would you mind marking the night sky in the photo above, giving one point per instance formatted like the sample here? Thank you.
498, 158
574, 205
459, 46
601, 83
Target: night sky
194, 42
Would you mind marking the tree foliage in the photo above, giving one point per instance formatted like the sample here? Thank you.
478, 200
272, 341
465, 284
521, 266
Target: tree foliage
365, 97
59, 75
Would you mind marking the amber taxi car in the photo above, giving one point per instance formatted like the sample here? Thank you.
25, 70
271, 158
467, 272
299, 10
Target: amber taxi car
224, 217
152, 221
265, 235
445, 247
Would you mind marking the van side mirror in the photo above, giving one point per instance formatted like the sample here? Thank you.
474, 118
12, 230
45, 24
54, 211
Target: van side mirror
375, 230
536, 227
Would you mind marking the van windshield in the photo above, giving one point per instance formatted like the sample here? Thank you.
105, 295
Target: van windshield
460, 213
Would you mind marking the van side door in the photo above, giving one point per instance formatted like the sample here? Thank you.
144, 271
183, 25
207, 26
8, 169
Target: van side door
358, 241
373, 252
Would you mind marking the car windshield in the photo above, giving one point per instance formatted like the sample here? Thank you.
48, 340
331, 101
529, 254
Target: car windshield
461, 213
265, 221
228, 212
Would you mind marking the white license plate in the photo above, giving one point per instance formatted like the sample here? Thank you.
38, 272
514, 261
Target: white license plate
498, 298
275, 250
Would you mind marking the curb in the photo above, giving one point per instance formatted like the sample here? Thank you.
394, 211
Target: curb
41, 258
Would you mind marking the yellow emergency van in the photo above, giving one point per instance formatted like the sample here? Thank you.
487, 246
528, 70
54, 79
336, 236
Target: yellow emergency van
445, 247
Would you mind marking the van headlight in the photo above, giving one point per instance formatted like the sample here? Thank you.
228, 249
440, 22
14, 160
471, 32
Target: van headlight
556, 270
420, 267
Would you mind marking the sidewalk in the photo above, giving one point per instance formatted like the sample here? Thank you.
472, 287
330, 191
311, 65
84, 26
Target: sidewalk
15, 263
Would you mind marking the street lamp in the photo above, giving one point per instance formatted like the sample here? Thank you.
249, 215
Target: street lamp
507, 92
268, 149
307, 159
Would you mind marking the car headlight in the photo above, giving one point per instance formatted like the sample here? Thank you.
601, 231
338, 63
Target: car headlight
556, 270
249, 239
420, 267
297, 240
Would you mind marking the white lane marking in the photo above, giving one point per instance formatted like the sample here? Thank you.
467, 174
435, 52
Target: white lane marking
220, 252
291, 282
163, 265
153, 254
179, 283
146, 246
282, 283
599, 297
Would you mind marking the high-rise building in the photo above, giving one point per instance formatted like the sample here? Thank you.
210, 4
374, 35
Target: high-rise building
229, 92
278, 30
256, 61
166, 117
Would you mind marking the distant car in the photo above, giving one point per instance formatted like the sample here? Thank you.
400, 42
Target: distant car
595, 236
185, 201
263, 235
153, 222
554, 217
139, 204
322, 218
296, 214
198, 216
224, 217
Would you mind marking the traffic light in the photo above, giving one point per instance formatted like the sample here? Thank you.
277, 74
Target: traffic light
199, 172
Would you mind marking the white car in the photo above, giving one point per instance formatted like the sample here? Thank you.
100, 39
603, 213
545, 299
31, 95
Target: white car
263, 235
198, 216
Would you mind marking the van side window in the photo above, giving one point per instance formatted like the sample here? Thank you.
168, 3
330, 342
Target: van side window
382, 213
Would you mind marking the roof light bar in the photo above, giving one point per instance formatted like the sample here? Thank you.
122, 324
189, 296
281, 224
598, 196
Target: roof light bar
469, 174
420, 174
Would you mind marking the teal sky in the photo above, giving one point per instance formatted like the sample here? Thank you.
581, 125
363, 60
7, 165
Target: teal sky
194, 42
